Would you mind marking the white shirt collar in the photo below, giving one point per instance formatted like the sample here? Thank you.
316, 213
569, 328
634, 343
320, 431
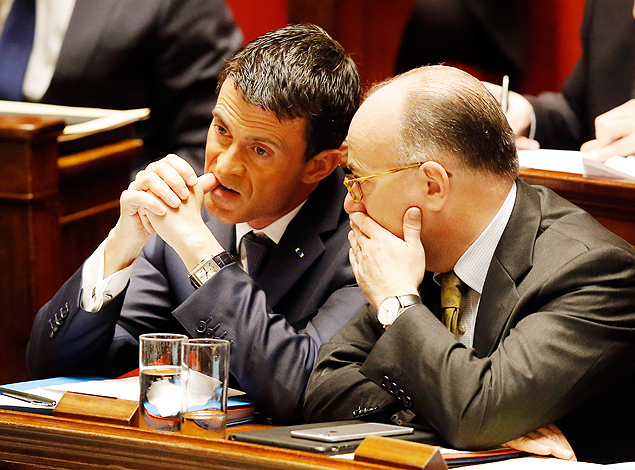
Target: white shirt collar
274, 230
473, 265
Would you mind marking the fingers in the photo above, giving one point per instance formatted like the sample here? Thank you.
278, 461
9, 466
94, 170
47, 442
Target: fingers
207, 182
525, 143
134, 202
169, 179
495, 90
622, 148
519, 114
562, 449
614, 133
363, 225
530, 445
615, 124
590, 146
547, 440
145, 221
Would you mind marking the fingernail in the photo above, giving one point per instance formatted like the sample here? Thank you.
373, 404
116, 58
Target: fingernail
185, 193
192, 180
175, 201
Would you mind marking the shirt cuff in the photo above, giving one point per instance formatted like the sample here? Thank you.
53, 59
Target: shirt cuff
97, 291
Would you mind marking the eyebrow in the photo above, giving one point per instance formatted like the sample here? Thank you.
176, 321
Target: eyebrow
250, 138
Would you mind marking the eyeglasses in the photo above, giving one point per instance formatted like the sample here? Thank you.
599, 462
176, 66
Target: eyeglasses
353, 183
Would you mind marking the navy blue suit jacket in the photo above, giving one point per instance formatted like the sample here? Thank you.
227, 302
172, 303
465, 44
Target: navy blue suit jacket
277, 323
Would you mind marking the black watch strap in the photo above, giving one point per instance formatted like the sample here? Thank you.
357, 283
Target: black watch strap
209, 266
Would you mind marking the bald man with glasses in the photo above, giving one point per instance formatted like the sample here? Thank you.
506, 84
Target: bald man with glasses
498, 312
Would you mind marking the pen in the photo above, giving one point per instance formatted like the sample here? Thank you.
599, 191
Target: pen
28, 397
505, 93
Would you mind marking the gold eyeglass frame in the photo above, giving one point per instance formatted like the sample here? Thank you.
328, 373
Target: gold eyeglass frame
350, 181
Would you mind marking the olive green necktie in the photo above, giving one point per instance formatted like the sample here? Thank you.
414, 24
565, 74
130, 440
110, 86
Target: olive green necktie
451, 301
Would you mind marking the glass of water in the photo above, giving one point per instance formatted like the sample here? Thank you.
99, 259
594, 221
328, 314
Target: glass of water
205, 379
161, 393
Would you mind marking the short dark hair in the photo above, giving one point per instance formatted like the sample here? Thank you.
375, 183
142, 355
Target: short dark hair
299, 72
449, 113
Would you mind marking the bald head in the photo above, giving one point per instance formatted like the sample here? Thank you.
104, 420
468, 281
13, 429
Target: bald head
444, 113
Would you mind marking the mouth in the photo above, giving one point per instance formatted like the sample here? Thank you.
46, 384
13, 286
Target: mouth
223, 190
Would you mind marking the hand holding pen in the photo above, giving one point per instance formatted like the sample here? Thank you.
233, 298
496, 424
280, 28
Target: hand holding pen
519, 113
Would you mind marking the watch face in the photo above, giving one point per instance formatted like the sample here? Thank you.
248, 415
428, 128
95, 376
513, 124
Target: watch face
388, 310
207, 271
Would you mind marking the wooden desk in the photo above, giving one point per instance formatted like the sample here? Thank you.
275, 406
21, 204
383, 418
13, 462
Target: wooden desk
53, 213
33, 441
611, 202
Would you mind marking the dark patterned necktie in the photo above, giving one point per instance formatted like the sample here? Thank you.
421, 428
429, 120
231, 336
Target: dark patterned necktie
451, 301
16, 43
258, 249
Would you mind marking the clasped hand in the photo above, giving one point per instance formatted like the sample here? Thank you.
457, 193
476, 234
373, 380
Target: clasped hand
165, 198
384, 264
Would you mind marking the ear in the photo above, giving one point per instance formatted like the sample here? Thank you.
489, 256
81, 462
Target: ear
322, 165
436, 186
344, 150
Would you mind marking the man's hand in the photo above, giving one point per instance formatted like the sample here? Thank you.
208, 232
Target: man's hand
385, 265
183, 228
548, 440
163, 185
519, 113
614, 134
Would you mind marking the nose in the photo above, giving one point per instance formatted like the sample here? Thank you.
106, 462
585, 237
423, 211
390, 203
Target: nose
229, 162
351, 206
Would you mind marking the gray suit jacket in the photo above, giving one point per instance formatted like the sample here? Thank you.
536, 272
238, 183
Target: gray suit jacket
160, 54
603, 78
554, 342
276, 323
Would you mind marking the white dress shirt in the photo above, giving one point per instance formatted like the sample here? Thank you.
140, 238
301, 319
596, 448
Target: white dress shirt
51, 23
472, 267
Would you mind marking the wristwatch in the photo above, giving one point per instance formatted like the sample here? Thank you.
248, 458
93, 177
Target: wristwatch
206, 268
391, 307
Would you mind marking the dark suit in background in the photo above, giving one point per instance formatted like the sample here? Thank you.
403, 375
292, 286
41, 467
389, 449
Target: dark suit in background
161, 54
297, 300
487, 34
554, 342
602, 79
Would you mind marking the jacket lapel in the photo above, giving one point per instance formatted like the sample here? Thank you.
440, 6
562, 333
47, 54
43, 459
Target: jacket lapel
512, 259
302, 245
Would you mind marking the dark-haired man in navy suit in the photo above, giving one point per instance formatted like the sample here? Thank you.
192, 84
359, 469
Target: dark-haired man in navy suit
272, 170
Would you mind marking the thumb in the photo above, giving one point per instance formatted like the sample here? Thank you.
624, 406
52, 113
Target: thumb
412, 225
